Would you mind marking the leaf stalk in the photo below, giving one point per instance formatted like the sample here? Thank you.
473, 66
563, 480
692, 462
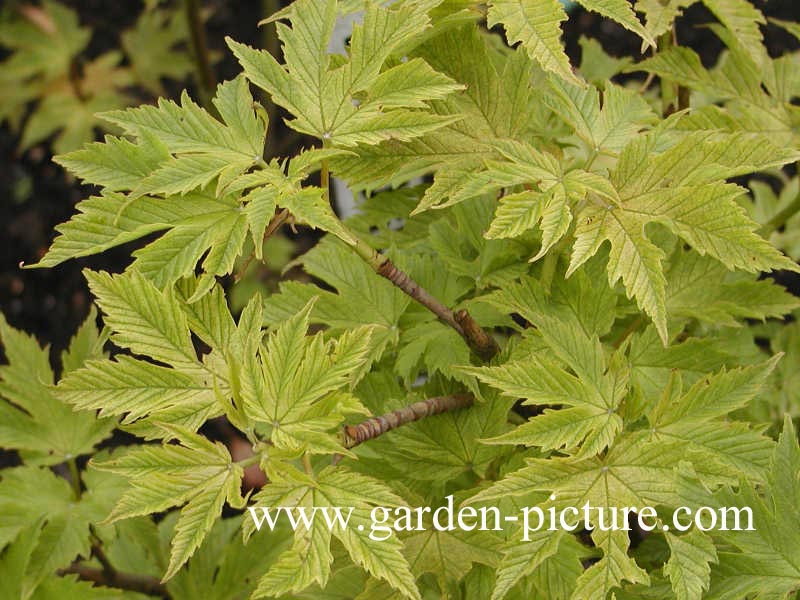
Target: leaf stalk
780, 218
75, 477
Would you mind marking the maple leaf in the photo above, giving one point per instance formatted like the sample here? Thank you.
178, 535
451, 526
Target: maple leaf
196, 472
36, 421
309, 558
357, 101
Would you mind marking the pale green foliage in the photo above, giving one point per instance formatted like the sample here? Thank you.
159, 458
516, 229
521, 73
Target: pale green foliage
153, 46
32, 419
46, 528
295, 390
660, 14
42, 524
182, 147
604, 244
688, 564
179, 151
762, 561
308, 560
196, 472
344, 104
536, 24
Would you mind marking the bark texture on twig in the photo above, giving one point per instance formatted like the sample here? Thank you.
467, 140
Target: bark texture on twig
143, 584
401, 279
474, 335
376, 426
477, 338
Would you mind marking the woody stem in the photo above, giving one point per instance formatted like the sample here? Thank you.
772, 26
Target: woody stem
474, 335
354, 435
478, 339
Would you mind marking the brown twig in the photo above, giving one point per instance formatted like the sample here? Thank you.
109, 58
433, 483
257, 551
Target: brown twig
108, 576
402, 280
100, 555
477, 338
279, 219
144, 584
354, 435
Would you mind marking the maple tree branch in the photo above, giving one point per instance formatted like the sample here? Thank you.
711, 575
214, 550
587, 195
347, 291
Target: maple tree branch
144, 584
354, 435
477, 338
100, 555
108, 576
